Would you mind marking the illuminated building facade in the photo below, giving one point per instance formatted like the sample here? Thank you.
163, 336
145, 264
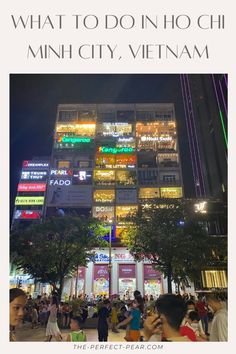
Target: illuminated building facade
108, 159
206, 112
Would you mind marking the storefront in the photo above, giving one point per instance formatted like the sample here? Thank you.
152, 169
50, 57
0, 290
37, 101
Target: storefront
126, 275
127, 280
100, 279
153, 282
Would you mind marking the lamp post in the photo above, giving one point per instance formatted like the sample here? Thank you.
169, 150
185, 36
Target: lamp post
109, 261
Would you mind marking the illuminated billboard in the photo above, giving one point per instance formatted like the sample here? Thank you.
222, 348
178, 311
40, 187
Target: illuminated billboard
115, 150
31, 187
34, 175
73, 139
61, 172
27, 214
35, 164
82, 177
29, 200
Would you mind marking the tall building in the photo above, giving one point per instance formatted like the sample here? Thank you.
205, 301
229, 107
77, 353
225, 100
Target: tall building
205, 105
106, 160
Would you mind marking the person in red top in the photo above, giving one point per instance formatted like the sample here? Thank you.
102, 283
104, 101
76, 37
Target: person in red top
202, 312
188, 332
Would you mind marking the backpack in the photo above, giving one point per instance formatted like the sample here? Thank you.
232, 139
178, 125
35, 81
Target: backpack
79, 336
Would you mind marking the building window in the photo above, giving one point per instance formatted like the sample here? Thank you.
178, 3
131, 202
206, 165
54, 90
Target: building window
214, 279
169, 178
63, 164
149, 193
104, 196
87, 115
168, 160
104, 177
126, 178
171, 192
147, 177
115, 129
80, 130
122, 212
127, 116
67, 116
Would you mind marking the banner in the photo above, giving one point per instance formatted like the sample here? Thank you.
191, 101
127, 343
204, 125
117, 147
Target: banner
100, 271
27, 214
127, 271
29, 201
31, 187
150, 273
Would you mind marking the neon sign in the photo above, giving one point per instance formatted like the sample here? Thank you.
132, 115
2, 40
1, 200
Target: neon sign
31, 187
73, 139
27, 214
32, 164
156, 138
60, 182
35, 175
29, 201
61, 172
114, 150
201, 207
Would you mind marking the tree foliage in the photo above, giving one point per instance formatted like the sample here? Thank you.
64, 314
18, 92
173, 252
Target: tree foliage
171, 239
54, 249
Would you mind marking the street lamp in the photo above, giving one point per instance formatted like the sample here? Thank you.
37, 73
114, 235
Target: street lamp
109, 261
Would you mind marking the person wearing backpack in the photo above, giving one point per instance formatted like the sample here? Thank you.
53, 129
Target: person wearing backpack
76, 334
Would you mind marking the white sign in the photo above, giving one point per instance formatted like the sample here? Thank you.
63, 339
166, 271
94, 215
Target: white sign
156, 138
103, 209
60, 182
61, 172
34, 175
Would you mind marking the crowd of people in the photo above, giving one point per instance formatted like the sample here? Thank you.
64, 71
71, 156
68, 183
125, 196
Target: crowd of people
168, 318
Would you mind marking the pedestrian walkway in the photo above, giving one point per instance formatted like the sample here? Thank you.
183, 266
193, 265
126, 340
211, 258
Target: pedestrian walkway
26, 334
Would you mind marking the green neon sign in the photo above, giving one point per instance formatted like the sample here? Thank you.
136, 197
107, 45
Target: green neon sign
114, 150
75, 139
223, 128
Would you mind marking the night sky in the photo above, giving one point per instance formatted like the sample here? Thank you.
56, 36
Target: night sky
33, 106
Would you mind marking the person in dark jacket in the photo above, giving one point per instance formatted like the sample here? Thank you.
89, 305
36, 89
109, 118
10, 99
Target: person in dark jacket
103, 315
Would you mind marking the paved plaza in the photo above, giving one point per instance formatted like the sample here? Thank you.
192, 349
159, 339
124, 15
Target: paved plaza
25, 333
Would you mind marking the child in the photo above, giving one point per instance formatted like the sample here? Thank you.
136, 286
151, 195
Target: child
34, 317
77, 335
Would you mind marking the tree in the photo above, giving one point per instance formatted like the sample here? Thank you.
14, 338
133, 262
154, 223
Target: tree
175, 243
54, 249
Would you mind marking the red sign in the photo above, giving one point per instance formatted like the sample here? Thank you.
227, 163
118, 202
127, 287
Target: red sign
27, 214
31, 187
101, 271
150, 273
127, 271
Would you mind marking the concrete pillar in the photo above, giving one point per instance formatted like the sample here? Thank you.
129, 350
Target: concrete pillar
89, 279
139, 276
114, 277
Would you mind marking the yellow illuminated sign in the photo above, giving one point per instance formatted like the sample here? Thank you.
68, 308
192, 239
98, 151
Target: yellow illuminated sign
29, 201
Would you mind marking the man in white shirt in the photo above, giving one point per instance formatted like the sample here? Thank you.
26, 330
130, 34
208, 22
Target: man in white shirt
219, 326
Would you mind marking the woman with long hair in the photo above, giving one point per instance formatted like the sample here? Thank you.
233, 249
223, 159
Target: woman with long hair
52, 329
